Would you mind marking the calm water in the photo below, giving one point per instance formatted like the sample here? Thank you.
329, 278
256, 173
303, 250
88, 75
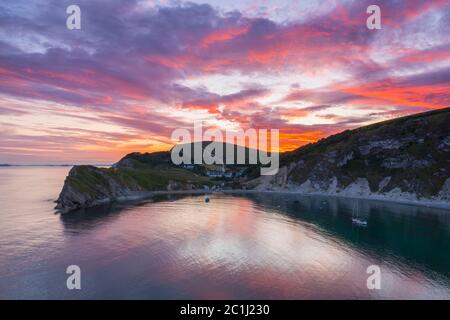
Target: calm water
236, 246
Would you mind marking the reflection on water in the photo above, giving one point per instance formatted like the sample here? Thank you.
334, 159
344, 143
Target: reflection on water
236, 246
417, 234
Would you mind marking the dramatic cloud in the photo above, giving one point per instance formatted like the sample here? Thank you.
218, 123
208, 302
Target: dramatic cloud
138, 69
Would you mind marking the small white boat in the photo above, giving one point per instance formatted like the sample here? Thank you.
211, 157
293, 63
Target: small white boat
359, 222
355, 217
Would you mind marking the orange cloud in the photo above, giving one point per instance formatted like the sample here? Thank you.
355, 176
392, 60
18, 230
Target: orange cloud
426, 96
290, 141
224, 35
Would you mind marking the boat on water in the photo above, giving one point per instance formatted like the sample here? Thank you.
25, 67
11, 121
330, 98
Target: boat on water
206, 199
359, 222
356, 220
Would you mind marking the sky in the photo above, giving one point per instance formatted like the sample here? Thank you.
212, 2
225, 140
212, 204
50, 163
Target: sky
139, 69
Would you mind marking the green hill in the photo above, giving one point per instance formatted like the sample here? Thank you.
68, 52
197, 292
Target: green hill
407, 157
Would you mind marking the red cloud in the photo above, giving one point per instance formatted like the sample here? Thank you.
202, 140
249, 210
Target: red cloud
219, 36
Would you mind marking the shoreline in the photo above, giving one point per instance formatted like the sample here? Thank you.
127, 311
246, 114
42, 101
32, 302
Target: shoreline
435, 204
379, 198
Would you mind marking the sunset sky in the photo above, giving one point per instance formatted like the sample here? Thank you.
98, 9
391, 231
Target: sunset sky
138, 69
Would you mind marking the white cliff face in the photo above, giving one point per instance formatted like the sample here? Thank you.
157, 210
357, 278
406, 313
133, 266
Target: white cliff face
360, 187
444, 194
307, 187
333, 186
345, 160
387, 144
275, 182
383, 183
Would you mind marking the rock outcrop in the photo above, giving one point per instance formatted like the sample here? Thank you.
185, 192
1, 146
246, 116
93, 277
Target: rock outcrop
88, 186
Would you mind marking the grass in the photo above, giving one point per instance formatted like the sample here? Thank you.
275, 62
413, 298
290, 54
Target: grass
97, 181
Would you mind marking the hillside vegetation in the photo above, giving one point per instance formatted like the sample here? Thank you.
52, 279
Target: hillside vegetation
404, 157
